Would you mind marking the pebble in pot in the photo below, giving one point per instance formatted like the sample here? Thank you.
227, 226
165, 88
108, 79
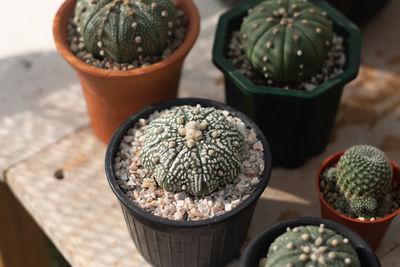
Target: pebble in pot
194, 149
311, 246
124, 30
286, 40
363, 176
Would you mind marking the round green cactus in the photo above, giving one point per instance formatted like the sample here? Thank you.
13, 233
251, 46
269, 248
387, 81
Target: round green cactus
331, 178
123, 30
364, 176
363, 207
342, 204
286, 40
311, 246
364, 171
193, 149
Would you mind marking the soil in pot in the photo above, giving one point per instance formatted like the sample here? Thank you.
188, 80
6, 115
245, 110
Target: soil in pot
144, 191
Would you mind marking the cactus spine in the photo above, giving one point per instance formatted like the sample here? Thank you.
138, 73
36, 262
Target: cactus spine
311, 246
124, 30
286, 40
363, 176
193, 149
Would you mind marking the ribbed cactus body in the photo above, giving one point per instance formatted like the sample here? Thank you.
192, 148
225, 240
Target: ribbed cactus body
311, 246
363, 177
193, 149
123, 30
286, 40
364, 171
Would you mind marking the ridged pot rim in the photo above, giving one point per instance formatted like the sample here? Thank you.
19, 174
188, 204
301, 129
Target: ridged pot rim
113, 147
65, 12
273, 229
328, 162
248, 87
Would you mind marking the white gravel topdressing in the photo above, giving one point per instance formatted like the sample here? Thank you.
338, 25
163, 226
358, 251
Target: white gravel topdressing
137, 184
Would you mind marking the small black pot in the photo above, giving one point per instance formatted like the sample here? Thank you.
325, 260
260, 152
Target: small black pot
259, 246
352, 9
163, 242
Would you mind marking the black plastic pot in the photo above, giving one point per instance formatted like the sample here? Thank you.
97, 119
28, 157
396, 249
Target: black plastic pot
359, 11
163, 242
296, 123
259, 246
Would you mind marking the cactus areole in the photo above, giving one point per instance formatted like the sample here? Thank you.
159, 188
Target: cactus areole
123, 30
192, 149
311, 246
286, 40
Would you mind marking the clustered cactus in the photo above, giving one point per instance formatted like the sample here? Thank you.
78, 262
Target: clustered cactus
124, 30
194, 149
363, 176
311, 246
286, 40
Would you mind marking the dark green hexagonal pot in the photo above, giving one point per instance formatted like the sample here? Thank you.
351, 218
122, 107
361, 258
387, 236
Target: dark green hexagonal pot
297, 123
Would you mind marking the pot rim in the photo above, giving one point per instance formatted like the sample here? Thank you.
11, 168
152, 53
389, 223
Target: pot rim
301, 221
329, 162
248, 87
62, 46
113, 147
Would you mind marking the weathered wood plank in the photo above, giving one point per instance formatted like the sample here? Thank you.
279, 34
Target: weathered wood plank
22, 242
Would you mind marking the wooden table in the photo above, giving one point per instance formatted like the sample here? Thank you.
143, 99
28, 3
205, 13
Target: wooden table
45, 133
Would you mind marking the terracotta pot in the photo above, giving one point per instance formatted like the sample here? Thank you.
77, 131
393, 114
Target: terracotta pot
371, 231
113, 95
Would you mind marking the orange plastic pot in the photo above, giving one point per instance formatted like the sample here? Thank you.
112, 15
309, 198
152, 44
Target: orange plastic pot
113, 95
371, 231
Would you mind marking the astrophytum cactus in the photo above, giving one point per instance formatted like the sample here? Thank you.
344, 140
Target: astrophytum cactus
286, 40
363, 176
194, 149
311, 246
123, 30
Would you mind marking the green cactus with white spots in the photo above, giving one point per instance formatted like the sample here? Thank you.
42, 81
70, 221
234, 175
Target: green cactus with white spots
194, 149
331, 178
286, 40
311, 246
364, 177
124, 30
342, 204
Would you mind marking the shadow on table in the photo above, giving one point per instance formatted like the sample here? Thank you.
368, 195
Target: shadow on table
26, 79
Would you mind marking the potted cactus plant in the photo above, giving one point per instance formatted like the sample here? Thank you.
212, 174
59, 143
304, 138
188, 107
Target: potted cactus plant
183, 171
111, 38
308, 241
360, 189
281, 68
